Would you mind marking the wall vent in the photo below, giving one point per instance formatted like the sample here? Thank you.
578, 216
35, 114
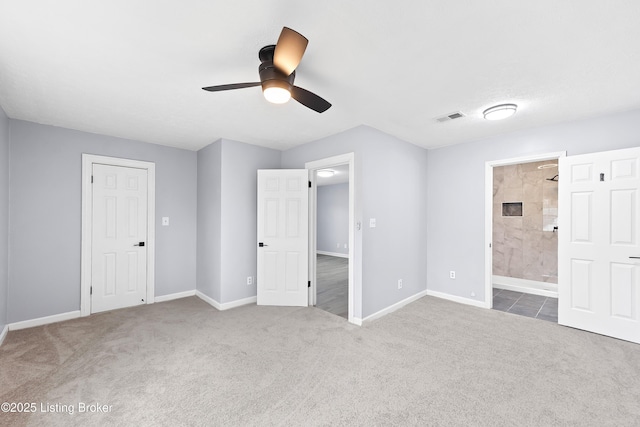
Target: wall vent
451, 116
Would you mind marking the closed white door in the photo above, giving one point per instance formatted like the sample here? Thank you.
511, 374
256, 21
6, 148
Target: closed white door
599, 243
118, 247
283, 210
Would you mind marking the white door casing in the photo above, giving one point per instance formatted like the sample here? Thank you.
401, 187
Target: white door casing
119, 236
599, 234
312, 167
88, 162
283, 210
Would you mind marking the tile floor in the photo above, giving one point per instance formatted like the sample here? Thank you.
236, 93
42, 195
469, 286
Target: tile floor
545, 308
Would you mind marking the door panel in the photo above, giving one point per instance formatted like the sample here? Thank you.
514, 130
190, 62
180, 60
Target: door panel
119, 217
283, 230
599, 278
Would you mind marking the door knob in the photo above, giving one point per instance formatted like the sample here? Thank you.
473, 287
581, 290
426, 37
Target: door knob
262, 244
635, 257
139, 244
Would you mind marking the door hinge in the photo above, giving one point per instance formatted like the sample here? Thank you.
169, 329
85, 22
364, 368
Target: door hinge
309, 285
91, 290
92, 179
309, 184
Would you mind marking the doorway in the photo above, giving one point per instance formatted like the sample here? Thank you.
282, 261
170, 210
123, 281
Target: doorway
522, 235
118, 233
331, 232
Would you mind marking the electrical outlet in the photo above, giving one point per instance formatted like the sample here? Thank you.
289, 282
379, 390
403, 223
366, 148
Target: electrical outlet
399, 283
345, 246
338, 245
249, 280
452, 274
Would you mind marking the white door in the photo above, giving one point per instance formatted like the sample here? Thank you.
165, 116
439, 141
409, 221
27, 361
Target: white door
599, 243
119, 235
283, 209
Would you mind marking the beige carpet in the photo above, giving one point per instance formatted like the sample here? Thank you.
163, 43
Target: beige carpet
431, 363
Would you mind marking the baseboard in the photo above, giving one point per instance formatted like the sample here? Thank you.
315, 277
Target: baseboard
226, 305
3, 334
534, 287
390, 309
455, 298
44, 320
333, 254
177, 295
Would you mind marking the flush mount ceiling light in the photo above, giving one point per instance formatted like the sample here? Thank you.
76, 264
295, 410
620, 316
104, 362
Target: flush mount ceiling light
548, 166
325, 173
500, 112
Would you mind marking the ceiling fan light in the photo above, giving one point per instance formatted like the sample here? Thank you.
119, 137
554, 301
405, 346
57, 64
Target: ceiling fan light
500, 112
276, 92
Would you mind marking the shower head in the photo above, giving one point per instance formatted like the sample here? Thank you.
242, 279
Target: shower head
554, 179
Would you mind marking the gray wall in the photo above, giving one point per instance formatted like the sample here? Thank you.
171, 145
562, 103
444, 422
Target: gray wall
455, 231
390, 185
45, 215
333, 218
209, 224
4, 216
227, 210
240, 163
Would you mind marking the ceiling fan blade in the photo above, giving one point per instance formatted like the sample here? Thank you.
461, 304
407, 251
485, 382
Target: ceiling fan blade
289, 50
309, 99
231, 86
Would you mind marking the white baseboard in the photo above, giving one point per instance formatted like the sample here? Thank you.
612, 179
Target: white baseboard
390, 309
177, 295
339, 255
3, 334
455, 298
534, 287
44, 320
226, 305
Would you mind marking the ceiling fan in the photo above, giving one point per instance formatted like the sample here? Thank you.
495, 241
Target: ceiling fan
277, 73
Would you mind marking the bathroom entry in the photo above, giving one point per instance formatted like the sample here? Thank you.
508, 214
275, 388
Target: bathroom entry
524, 239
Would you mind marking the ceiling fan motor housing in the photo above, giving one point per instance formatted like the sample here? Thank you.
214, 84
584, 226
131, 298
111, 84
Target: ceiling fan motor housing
269, 74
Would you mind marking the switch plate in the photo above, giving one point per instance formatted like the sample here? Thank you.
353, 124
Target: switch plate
165, 221
372, 223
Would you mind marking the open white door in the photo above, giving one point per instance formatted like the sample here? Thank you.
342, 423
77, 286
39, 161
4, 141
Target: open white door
599, 243
283, 211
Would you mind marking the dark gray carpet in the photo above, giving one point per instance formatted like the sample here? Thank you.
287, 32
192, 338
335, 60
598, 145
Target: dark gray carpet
432, 362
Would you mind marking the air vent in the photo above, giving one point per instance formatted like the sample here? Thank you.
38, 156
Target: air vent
451, 116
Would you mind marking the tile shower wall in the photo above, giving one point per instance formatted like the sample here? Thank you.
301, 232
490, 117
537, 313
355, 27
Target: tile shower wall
526, 246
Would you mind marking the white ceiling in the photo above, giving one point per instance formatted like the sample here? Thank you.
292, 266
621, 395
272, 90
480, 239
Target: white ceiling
135, 69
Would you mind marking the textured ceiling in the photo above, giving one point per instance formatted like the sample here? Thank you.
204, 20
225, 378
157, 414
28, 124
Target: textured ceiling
134, 69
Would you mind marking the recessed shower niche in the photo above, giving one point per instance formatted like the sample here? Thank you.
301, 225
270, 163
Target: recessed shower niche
512, 209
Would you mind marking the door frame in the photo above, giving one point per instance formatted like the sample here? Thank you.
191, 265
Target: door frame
88, 160
488, 212
313, 166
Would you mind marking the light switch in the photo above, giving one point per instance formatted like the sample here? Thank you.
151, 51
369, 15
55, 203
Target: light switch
372, 223
165, 221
